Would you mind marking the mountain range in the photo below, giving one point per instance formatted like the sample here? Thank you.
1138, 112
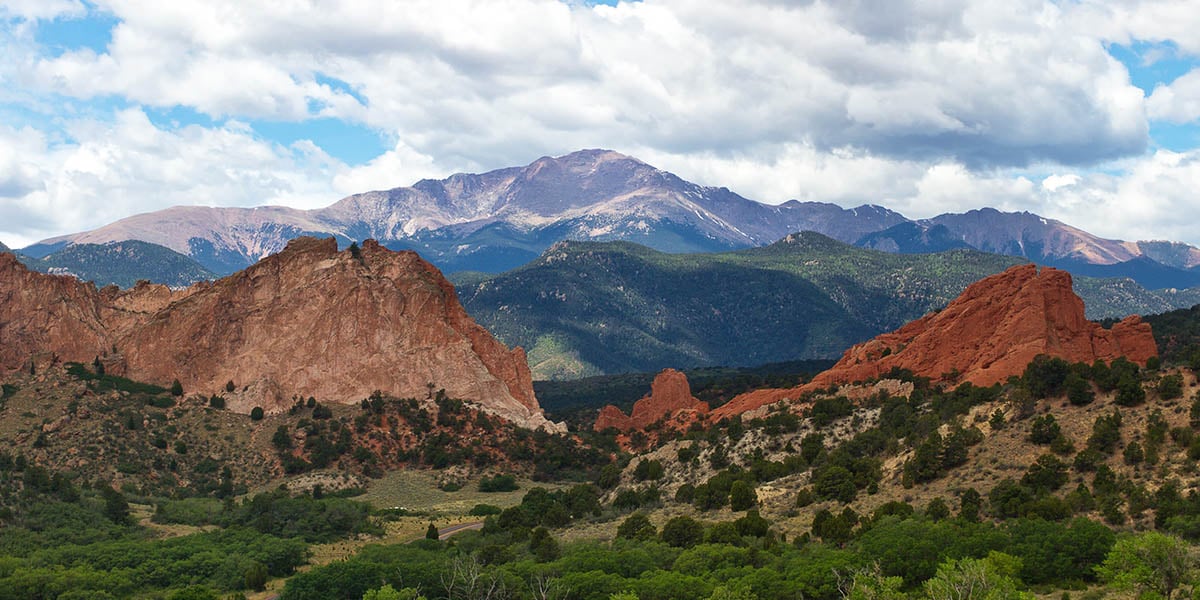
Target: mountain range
122, 264
587, 308
502, 219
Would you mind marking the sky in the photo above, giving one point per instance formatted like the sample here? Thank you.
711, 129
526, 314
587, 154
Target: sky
1087, 111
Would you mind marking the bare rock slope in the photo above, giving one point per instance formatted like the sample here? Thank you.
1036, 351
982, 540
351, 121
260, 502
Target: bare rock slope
670, 396
990, 332
308, 321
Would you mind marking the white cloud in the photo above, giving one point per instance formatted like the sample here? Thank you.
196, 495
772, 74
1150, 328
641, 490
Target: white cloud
1153, 198
1056, 182
115, 169
384, 171
920, 106
42, 9
1179, 101
1124, 21
480, 82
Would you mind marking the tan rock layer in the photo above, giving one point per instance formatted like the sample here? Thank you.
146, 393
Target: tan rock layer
990, 332
670, 396
309, 321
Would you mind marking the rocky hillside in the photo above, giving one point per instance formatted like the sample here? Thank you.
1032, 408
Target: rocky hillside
72, 419
991, 332
309, 321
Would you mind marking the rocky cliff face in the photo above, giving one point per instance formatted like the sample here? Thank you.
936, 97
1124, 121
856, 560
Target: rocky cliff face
47, 312
670, 396
309, 321
990, 332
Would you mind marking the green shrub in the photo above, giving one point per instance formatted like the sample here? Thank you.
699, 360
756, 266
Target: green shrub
499, 483
484, 510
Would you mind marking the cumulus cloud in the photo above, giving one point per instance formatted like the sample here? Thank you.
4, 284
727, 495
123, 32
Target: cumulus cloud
115, 169
1179, 101
480, 81
1144, 201
925, 107
42, 9
384, 171
1125, 21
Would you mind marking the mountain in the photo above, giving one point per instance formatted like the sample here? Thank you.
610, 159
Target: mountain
586, 308
1171, 254
991, 332
502, 219
912, 238
1031, 236
122, 264
498, 220
1177, 333
308, 321
1146, 271
1154, 265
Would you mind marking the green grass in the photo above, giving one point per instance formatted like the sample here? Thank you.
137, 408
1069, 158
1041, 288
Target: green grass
417, 491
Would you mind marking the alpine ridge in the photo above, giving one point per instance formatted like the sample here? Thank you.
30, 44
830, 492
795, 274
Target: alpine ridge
308, 321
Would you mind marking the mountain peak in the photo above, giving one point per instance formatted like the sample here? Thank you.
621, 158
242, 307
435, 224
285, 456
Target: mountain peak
594, 155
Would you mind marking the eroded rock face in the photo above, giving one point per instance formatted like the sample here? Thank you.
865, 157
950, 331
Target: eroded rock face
990, 332
309, 321
670, 396
40, 313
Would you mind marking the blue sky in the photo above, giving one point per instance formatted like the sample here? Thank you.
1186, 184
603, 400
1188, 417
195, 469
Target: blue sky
1083, 111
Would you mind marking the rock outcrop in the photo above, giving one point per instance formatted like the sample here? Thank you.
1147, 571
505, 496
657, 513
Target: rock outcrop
990, 332
40, 313
308, 321
670, 397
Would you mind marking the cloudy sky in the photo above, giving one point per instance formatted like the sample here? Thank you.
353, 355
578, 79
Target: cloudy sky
1082, 110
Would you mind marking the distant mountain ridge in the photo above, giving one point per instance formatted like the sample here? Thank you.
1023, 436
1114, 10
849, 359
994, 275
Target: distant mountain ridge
590, 308
497, 220
122, 264
502, 219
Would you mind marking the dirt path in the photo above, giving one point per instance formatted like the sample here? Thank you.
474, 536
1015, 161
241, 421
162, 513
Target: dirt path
446, 532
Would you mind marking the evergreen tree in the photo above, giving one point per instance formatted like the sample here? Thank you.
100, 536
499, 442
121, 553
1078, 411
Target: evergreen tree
742, 496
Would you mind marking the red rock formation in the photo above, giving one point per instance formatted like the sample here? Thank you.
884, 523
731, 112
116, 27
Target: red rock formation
40, 313
990, 332
309, 321
670, 396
